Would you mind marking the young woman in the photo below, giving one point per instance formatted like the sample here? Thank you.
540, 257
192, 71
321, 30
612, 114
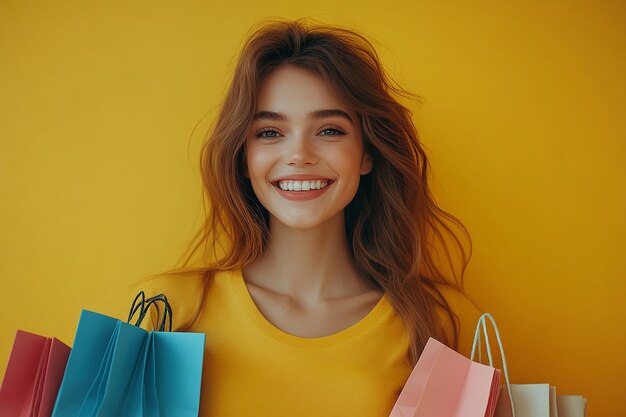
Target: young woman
323, 247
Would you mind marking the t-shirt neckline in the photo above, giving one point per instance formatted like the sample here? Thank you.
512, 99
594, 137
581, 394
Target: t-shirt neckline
255, 315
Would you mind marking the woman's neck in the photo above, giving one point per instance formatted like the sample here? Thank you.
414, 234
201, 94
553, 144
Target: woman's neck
308, 264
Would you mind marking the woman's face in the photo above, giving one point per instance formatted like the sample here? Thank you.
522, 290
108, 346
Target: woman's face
304, 150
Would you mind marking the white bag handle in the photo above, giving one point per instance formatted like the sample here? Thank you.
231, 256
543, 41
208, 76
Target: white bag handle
481, 321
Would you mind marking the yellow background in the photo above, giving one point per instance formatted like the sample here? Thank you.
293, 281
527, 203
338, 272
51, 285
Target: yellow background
523, 117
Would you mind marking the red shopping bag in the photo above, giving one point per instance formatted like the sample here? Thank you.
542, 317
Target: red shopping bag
33, 376
445, 383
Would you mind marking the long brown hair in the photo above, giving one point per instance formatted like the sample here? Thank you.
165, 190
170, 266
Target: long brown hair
401, 240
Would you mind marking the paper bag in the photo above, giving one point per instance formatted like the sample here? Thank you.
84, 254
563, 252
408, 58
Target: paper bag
531, 400
444, 383
33, 375
571, 405
119, 369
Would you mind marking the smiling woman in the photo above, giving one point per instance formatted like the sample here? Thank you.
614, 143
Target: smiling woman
306, 146
328, 287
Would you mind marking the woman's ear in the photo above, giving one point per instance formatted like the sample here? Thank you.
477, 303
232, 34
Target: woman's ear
366, 164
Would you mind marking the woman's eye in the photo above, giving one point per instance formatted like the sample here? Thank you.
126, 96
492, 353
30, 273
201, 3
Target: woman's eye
270, 134
337, 132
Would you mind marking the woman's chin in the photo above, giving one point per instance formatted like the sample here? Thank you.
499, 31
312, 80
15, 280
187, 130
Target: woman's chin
303, 222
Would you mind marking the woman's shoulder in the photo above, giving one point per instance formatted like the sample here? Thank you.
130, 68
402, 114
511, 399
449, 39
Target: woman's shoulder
171, 285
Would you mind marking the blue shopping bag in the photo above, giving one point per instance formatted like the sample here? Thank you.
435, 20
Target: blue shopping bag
118, 369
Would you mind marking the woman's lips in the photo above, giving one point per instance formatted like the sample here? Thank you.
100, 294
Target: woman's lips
302, 194
299, 185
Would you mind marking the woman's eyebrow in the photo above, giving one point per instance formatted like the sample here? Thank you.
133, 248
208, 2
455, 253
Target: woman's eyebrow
317, 114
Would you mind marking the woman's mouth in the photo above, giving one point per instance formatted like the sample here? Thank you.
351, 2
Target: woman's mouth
306, 185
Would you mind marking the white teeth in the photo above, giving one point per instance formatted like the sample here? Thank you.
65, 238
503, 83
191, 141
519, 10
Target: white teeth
291, 185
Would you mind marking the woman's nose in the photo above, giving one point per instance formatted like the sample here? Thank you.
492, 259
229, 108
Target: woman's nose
300, 152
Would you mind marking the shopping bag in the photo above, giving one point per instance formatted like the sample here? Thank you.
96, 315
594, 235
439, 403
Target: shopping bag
571, 405
33, 375
444, 383
528, 400
531, 400
167, 390
118, 369
539, 400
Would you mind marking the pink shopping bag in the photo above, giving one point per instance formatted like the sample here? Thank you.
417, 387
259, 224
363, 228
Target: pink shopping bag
445, 383
33, 376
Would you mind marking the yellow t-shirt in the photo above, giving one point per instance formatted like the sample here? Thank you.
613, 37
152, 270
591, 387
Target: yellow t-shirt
252, 368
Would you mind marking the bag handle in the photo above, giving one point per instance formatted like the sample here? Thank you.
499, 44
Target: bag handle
144, 305
167, 313
137, 306
477, 338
